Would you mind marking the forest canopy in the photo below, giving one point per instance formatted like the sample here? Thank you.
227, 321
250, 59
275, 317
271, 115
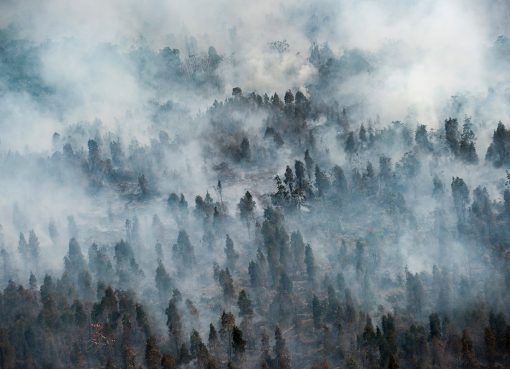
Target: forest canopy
273, 192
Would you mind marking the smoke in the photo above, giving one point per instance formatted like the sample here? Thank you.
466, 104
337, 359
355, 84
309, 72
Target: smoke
418, 53
101, 70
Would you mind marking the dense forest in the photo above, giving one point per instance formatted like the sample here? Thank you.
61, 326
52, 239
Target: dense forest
155, 213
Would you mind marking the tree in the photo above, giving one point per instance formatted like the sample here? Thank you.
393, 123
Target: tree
22, 245
339, 181
498, 152
244, 304
360, 257
255, 274
246, 207
280, 350
32, 281
415, 293
152, 354
467, 149
174, 326
422, 139
409, 165
481, 207
316, 312
163, 280
300, 98
7, 352
94, 155
300, 171
173, 200
274, 236
183, 204
281, 197
393, 362
196, 346
351, 363
321, 181
435, 326
385, 168
285, 284
230, 253
214, 60
468, 356
460, 195
183, 252
244, 149
237, 92
363, 134
212, 340
369, 337
227, 326
227, 284
451, 127
297, 247
74, 262
168, 362
350, 144
143, 185
309, 164
33, 246
238, 343
310, 263
100, 264
184, 355
109, 364
107, 309
52, 230
276, 102
288, 98
490, 346
438, 187
289, 178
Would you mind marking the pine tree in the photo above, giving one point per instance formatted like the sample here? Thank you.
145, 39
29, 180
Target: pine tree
244, 304
289, 178
316, 312
152, 354
451, 127
468, 355
422, 139
244, 149
246, 207
168, 362
321, 181
230, 253
339, 181
174, 326
74, 262
490, 346
163, 280
297, 247
281, 353
212, 341
288, 98
350, 144
109, 364
22, 245
310, 263
183, 252
393, 362
238, 343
